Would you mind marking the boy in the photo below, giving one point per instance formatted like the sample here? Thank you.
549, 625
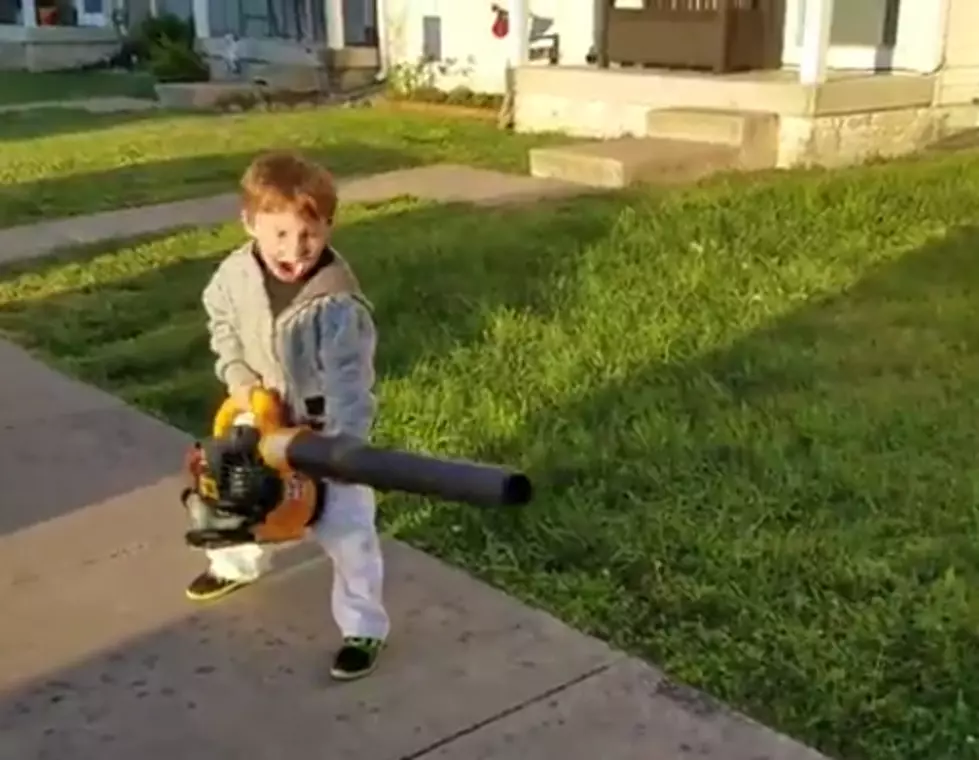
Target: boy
285, 312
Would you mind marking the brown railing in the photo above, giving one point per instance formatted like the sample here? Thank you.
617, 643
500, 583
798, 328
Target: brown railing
720, 35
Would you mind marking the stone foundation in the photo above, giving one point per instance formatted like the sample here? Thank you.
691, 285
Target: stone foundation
848, 119
853, 138
803, 140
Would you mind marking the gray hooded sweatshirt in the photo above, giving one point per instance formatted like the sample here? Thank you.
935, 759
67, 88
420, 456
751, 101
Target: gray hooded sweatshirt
318, 351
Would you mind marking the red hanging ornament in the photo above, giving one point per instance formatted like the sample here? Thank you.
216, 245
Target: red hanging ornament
501, 25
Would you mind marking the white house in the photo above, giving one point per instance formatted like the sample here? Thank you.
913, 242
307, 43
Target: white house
845, 79
854, 35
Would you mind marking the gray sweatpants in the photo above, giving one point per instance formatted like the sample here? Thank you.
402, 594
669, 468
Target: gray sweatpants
347, 533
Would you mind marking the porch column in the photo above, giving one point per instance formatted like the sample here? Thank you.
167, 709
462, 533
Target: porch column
202, 18
28, 12
334, 25
817, 20
519, 32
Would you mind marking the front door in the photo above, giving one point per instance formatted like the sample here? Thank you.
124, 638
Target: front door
875, 35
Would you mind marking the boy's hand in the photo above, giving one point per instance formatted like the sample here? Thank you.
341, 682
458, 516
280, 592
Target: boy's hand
242, 395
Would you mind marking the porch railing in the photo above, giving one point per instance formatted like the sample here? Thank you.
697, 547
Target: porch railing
718, 35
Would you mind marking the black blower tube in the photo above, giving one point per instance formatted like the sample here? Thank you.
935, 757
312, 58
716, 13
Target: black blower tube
348, 459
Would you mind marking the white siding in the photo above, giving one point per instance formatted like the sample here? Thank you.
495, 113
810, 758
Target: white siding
959, 80
478, 57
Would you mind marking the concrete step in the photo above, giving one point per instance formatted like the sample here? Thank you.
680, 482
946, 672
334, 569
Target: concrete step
296, 77
353, 58
629, 160
351, 68
753, 133
351, 79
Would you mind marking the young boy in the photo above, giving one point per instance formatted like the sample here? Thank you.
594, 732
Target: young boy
285, 312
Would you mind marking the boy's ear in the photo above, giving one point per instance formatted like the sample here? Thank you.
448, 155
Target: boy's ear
247, 224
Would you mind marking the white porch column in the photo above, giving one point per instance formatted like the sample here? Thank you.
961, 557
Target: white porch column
817, 21
519, 32
334, 25
28, 12
202, 18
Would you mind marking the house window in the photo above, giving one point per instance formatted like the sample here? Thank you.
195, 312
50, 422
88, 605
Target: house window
432, 38
868, 23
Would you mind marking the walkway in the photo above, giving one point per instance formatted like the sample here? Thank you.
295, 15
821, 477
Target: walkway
101, 658
107, 104
443, 183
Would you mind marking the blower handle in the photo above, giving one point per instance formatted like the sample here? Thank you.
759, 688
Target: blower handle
264, 404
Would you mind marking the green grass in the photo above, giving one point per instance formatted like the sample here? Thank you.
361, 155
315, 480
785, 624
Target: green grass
750, 410
76, 163
17, 87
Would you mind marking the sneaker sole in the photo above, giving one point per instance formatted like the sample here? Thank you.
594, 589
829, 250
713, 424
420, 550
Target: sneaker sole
342, 675
214, 595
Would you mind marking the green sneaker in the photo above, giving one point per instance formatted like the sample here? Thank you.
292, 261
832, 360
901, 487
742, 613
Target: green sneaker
357, 658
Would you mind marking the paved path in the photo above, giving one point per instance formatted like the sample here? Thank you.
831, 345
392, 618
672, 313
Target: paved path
101, 658
444, 183
109, 104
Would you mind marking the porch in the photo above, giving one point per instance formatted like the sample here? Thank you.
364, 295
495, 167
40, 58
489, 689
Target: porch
834, 87
848, 117
304, 45
43, 35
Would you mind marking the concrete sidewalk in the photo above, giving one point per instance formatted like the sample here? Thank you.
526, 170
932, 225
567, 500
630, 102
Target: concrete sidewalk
441, 183
102, 658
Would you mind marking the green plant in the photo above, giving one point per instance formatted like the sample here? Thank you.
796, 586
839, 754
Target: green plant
406, 79
153, 30
463, 96
164, 45
172, 61
418, 82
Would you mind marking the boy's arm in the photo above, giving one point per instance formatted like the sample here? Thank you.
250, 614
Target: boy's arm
348, 339
229, 364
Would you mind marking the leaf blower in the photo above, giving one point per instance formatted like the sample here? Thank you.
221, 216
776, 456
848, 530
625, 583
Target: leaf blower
260, 479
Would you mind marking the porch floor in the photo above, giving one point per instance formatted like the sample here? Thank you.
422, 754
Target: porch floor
774, 91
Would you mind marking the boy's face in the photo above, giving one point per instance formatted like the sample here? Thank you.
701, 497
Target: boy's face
289, 244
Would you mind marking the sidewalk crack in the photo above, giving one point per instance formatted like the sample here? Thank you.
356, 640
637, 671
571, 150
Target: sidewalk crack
496, 717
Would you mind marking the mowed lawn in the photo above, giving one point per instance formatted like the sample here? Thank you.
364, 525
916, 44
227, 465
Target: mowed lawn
751, 410
56, 164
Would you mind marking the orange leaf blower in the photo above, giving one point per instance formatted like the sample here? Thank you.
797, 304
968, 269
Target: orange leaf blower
260, 479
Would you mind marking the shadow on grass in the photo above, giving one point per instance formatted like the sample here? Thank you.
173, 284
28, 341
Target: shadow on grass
132, 167
164, 181
787, 522
790, 523
36, 123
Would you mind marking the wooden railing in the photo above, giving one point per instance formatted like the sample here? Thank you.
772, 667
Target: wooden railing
718, 35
